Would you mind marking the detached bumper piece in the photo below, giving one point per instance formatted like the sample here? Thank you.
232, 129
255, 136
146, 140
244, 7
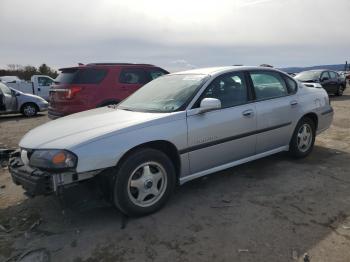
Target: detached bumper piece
35, 182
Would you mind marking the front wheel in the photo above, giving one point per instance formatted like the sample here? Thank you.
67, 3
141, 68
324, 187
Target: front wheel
303, 138
29, 110
144, 182
340, 91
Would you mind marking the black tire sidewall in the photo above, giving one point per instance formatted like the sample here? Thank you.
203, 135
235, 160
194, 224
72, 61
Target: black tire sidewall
340, 91
293, 146
121, 179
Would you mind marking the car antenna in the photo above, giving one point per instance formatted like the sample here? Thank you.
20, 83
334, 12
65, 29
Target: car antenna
80, 64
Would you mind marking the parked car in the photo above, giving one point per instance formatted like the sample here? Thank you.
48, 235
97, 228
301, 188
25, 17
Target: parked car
9, 79
39, 85
329, 80
14, 101
96, 85
176, 128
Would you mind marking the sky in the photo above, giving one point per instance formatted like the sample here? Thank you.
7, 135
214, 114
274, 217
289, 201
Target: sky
176, 35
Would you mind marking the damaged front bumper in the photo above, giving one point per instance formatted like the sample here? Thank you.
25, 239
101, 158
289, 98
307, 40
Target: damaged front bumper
40, 182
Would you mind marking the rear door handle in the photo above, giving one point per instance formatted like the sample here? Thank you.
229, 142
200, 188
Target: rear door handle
248, 113
293, 103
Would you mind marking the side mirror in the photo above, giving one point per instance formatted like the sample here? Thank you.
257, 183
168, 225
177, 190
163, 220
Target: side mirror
209, 104
324, 79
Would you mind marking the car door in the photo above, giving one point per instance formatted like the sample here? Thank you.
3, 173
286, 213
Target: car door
325, 80
276, 109
130, 80
334, 81
9, 100
222, 136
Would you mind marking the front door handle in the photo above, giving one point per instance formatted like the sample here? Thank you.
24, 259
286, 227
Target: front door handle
293, 103
248, 113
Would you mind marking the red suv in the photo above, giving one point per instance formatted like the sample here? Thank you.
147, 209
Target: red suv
94, 85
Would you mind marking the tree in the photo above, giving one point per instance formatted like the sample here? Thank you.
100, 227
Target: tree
26, 72
46, 70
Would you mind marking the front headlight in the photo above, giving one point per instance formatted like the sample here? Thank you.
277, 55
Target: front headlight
317, 85
53, 159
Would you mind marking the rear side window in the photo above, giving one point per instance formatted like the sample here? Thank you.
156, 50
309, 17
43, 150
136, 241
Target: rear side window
133, 76
156, 72
81, 76
291, 85
44, 81
325, 75
268, 85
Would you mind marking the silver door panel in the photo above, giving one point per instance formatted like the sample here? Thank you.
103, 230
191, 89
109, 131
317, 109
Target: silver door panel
277, 116
220, 154
215, 138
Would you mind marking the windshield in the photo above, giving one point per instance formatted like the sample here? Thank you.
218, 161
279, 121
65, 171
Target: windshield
308, 75
168, 93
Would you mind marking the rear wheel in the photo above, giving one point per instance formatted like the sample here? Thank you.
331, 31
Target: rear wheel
29, 110
303, 138
144, 182
340, 90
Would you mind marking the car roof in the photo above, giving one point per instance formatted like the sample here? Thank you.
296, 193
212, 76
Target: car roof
223, 69
106, 65
317, 70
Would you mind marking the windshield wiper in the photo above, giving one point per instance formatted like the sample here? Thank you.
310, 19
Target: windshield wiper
123, 108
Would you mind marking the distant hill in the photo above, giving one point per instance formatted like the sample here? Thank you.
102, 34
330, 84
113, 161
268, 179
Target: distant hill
339, 67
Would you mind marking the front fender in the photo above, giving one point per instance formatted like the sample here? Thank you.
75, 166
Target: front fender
107, 151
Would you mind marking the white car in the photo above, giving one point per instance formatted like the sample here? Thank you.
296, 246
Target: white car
176, 128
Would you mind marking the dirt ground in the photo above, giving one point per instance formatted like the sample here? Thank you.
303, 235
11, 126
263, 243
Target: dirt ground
273, 209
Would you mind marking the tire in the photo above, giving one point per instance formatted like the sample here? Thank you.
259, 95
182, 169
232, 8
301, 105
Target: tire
340, 91
303, 138
144, 182
29, 109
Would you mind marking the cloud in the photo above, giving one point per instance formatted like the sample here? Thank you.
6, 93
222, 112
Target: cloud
280, 32
255, 2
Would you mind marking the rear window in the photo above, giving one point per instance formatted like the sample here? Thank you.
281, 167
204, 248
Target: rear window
81, 76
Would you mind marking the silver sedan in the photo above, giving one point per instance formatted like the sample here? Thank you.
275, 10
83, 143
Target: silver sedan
176, 128
13, 101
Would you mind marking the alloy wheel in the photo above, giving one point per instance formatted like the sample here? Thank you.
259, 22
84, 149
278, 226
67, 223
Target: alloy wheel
147, 184
304, 139
29, 110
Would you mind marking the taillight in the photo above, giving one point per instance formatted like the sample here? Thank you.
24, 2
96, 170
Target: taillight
71, 92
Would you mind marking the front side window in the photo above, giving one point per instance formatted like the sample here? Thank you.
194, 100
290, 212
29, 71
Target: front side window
5, 89
268, 85
333, 74
230, 89
165, 94
133, 76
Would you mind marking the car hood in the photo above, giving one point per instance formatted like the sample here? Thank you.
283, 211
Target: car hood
77, 129
30, 97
